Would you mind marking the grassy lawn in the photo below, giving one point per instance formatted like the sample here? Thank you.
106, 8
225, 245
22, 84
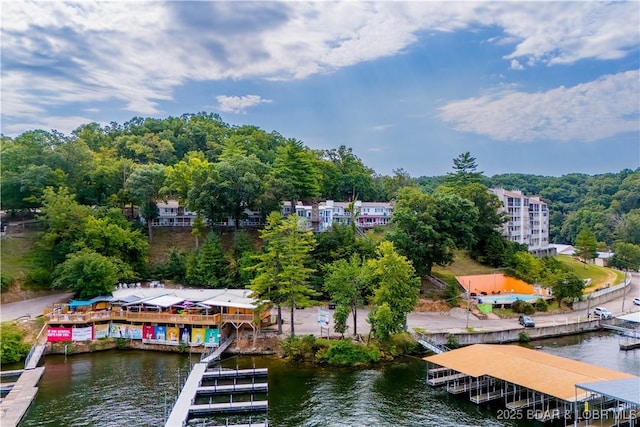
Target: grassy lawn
600, 276
462, 266
13, 251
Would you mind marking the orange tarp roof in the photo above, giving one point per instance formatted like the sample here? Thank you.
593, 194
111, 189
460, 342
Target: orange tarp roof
552, 375
493, 283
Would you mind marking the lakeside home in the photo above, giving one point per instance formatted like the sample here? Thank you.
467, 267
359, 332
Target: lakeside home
158, 315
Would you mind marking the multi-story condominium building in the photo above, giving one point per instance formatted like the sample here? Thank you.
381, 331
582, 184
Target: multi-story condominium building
322, 214
528, 220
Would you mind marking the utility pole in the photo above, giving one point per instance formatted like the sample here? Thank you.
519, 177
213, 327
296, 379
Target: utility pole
468, 303
624, 291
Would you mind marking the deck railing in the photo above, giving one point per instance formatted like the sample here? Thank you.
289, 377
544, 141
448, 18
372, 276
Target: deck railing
133, 316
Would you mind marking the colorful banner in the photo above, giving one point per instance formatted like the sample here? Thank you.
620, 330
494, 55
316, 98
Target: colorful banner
100, 331
212, 337
173, 333
118, 330
82, 334
161, 333
58, 334
185, 334
135, 332
197, 335
148, 332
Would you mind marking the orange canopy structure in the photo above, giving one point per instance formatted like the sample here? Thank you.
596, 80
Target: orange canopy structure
499, 283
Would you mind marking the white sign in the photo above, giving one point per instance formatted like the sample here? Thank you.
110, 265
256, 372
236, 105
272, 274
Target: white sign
324, 318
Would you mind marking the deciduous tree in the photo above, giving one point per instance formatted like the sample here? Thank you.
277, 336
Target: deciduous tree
348, 282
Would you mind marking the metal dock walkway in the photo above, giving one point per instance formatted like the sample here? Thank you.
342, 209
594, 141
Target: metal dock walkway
208, 408
235, 373
184, 406
15, 405
233, 388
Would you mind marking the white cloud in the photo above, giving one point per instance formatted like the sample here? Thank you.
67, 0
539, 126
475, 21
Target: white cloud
380, 128
585, 112
64, 124
239, 104
516, 65
137, 53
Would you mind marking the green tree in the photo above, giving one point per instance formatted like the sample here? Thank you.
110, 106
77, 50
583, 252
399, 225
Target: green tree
12, 347
567, 286
145, 183
282, 275
114, 240
397, 289
240, 184
464, 167
626, 256
295, 172
428, 228
209, 266
88, 274
348, 282
340, 316
586, 245
344, 176
198, 228
487, 246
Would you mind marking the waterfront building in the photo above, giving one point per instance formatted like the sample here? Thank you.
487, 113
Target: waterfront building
158, 315
528, 220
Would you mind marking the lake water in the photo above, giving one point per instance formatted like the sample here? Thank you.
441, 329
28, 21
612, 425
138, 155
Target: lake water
136, 388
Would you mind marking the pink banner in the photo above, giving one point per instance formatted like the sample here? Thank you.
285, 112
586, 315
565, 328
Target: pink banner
58, 334
148, 332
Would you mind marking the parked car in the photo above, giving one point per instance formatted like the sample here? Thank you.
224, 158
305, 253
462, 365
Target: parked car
602, 313
636, 300
526, 321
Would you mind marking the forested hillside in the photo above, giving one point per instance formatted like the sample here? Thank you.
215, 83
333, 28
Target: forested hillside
80, 185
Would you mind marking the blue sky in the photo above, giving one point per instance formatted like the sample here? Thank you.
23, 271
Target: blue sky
544, 88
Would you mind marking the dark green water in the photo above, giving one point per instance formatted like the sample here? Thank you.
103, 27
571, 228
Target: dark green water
130, 388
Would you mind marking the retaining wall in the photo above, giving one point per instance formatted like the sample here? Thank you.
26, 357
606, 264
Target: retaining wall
513, 335
605, 295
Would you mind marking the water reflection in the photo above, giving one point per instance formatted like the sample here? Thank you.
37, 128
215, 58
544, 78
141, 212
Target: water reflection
129, 388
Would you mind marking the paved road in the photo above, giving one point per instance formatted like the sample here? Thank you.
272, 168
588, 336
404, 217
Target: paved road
306, 321
31, 307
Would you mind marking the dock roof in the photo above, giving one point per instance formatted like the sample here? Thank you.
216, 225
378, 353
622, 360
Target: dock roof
536, 370
625, 390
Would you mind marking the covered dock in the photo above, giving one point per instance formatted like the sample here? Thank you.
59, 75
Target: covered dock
538, 385
609, 403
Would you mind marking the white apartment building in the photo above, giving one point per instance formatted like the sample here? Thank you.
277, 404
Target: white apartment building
528, 220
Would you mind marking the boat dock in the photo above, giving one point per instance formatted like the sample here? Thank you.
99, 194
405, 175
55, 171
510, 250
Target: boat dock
185, 406
15, 404
21, 392
541, 385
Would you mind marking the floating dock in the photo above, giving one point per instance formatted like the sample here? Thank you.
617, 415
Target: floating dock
186, 407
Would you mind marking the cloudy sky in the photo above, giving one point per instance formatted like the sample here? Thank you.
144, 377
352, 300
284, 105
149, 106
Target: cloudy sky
544, 87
